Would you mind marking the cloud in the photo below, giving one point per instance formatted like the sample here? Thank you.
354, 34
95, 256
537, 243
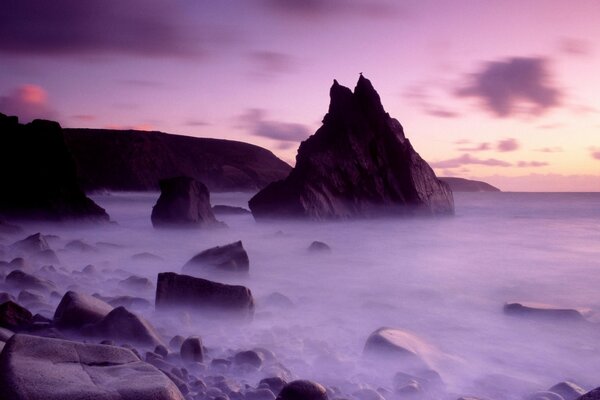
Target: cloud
254, 120
474, 147
550, 150
467, 159
575, 47
544, 182
84, 117
528, 164
421, 96
507, 145
596, 154
518, 85
332, 8
269, 63
195, 122
28, 102
66, 27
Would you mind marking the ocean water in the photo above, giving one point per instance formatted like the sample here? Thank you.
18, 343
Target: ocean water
444, 280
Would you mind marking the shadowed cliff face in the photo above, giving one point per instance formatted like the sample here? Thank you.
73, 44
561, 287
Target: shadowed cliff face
38, 176
135, 160
359, 163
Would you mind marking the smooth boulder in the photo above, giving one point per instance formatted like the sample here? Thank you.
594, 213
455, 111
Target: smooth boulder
358, 164
37, 368
196, 293
303, 390
231, 257
191, 349
545, 311
591, 395
183, 201
398, 345
78, 309
14, 316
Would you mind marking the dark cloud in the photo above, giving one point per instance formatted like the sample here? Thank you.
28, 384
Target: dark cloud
58, 27
518, 85
467, 159
507, 145
28, 102
528, 164
254, 120
328, 8
575, 47
268, 63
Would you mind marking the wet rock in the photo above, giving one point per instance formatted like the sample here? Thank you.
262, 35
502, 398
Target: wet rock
41, 368
358, 164
5, 334
183, 201
248, 357
229, 210
90, 269
389, 343
545, 311
176, 342
191, 349
78, 309
19, 263
44, 185
220, 364
137, 283
14, 317
26, 297
591, 395
81, 246
23, 280
47, 256
230, 257
161, 351
568, 390
274, 383
32, 244
125, 326
196, 293
319, 247
303, 390
4, 297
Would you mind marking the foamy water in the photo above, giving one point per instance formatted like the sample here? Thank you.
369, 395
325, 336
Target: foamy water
445, 280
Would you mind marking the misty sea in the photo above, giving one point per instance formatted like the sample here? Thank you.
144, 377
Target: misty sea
444, 280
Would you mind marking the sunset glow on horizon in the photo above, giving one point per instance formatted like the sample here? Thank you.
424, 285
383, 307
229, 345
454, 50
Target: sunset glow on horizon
505, 92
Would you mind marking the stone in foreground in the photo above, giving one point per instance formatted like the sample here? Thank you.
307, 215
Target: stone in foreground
303, 390
195, 293
358, 164
183, 202
398, 345
78, 309
37, 368
230, 257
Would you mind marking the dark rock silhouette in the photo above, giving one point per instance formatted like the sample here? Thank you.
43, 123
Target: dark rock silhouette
545, 311
174, 290
229, 210
183, 201
358, 164
231, 257
135, 160
468, 185
38, 175
13, 316
303, 390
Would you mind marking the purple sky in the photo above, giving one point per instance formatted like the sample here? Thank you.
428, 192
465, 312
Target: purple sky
502, 91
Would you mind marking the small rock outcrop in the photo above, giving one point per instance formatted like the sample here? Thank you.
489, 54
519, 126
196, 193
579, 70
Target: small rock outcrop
191, 349
545, 311
183, 201
38, 368
303, 390
77, 309
230, 257
195, 293
468, 185
38, 174
358, 164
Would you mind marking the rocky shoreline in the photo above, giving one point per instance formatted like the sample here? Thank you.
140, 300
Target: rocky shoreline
60, 339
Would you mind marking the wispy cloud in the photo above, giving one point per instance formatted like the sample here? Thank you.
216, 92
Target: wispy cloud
528, 164
255, 121
270, 63
467, 159
506, 145
550, 150
575, 47
514, 86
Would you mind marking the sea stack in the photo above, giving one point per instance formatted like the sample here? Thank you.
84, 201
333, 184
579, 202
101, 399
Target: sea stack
357, 164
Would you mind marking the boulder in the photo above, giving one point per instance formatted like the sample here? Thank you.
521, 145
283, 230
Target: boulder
568, 390
319, 247
196, 293
137, 283
591, 395
230, 257
5, 334
545, 311
398, 345
77, 309
183, 201
124, 326
38, 175
23, 280
80, 245
14, 317
275, 383
220, 209
303, 390
248, 357
32, 244
358, 164
191, 349
37, 368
